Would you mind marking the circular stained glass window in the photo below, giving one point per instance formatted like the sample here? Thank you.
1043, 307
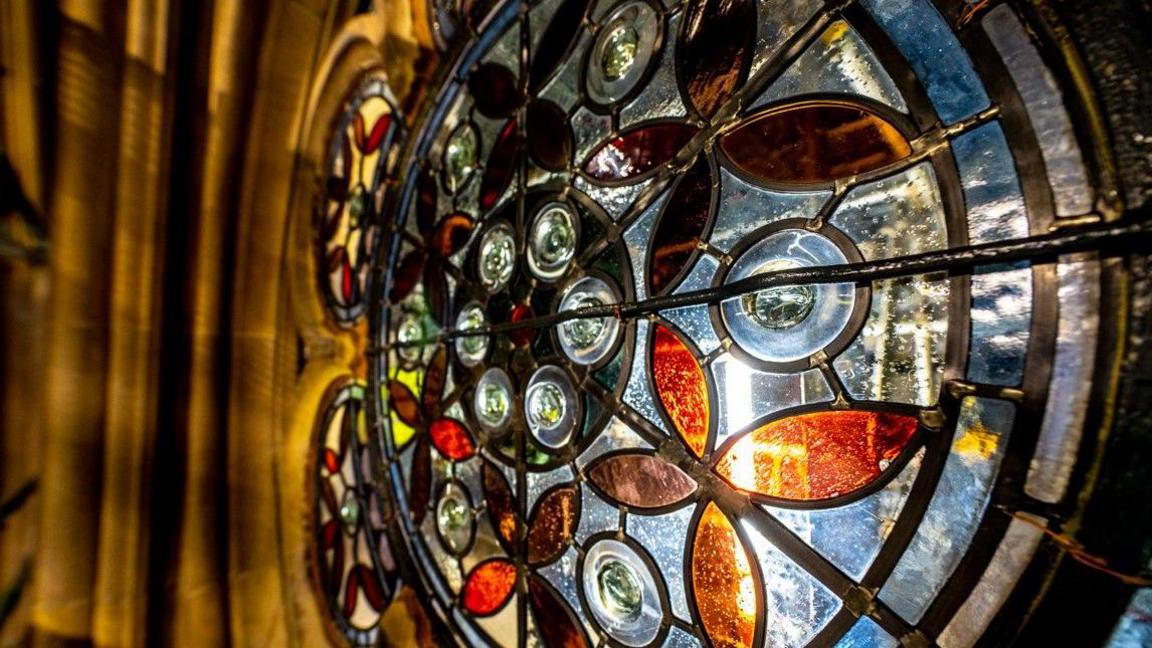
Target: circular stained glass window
669, 346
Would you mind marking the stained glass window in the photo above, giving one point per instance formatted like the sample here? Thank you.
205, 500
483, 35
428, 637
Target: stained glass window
595, 421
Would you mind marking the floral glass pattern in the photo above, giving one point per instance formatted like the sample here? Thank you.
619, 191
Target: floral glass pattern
769, 468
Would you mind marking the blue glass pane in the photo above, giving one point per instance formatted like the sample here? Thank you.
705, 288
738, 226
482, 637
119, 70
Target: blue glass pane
955, 510
867, 634
935, 55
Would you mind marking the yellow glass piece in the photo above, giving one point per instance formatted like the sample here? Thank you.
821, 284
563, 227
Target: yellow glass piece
722, 581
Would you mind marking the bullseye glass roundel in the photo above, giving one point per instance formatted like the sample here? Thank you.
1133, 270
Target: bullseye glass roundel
813, 464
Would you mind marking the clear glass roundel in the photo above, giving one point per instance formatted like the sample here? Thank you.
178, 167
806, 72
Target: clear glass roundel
602, 438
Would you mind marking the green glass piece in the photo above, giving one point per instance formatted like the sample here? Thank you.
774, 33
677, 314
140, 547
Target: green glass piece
619, 51
620, 591
495, 404
546, 405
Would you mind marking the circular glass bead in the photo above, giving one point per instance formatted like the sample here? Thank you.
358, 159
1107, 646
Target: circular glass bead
781, 307
460, 157
455, 519
471, 349
588, 340
492, 401
619, 590
410, 330
358, 206
552, 241
619, 51
623, 49
551, 407
497, 257
349, 511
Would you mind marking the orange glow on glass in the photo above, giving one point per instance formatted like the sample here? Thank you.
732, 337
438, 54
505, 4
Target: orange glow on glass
680, 385
489, 586
722, 581
451, 439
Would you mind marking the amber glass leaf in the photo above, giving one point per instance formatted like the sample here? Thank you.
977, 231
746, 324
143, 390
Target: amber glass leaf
554, 619
551, 526
716, 47
641, 481
549, 138
501, 166
488, 587
814, 143
451, 439
565, 24
681, 226
434, 379
495, 90
501, 507
403, 402
722, 581
451, 234
420, 480
406, 276
818, 455
681, 387
639, 150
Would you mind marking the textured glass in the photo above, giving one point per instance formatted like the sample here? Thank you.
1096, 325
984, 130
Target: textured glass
715, 51
723, 581
746, 394
956, 507
555, 623
991, 187
622, 593
641, 481
551, 525
589, 130
613, 200
681, 227
895, 216
680, 384
1001, 320
867, 634
986, 598
899, 356
663, 536
562, 575
501, 507
816, 456
813, 143
1134, 630
451, 439
797, 605
636, 394
838, 62
501, 166
596, 516
851, 536
696, 323
745, 208
637, 151
1072, 367
624, 47
778, 21
926, 40
1067, 175
488, 587
660, 98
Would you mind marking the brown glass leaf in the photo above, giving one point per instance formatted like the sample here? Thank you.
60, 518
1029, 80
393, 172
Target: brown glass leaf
716, 45
722, 581
406, 276
501, 166
638, 151
681, 226
681, 388
426, 198
434, 379
814, 143
451, 234
501, 507
420, 479
818, 455
551, 526
495, 90
549, 138
641, 481
555, 621
403, 402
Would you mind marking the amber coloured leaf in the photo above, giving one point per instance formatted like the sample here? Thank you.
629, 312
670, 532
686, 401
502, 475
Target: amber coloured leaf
638, 151
495, 90
434, 378
716, 45
420, 480
641, 481
451, 234
426, 199
501, 166
403, 402
722, 581
406, 276
681, 227
549, 138
501, 508
814, 143
488, 587
551, 526
818, 455
681, 387
451, 439
557, 625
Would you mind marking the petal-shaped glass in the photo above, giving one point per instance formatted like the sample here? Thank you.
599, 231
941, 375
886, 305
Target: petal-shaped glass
722, 581
639, 150
488, 587
451, 439
551, 525
681, 387
716, 46
641, 481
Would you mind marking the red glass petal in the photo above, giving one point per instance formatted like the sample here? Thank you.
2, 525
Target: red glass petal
403, 402
376, 136
501, 166
639, 150
716, 47
373, 591
555, 621
329, 533
451, 234
346, 280
549, 137
351, 591
406, 276
814, 143
501, 508
641, 481
434, 379
681, 226
722, 581
451, 439
336, 259
420, 480
818, 455
521, 337
495, 90
551, 526
331, 461
488, 587
681, 387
